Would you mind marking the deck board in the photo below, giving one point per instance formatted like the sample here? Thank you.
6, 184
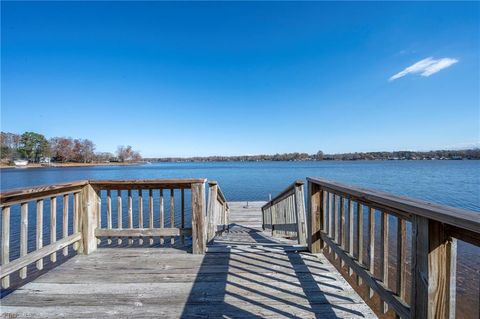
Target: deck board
244, 274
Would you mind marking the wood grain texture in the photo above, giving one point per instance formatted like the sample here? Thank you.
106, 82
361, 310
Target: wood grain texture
408, 207
5, 243
39, 232
53, 226
17, 196
25, 260
245, 273
65, 221
23, 236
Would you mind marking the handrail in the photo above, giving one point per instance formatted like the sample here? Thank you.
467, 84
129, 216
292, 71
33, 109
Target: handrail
217, 212
337, 216
453, 216
18, 195
145, 183
284, 215
285, 193
82, 221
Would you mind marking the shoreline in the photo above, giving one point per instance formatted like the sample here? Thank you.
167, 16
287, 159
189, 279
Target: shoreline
66, 165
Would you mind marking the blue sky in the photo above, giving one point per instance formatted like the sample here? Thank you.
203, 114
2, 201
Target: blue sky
181, 79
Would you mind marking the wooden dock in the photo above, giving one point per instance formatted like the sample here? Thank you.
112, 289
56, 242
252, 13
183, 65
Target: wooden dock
245, 273
176, 248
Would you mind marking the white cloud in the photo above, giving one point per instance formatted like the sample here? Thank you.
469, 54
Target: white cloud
425, 67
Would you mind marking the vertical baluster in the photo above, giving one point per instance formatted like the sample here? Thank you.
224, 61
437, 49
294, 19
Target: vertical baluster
119, 214
330, 215
350, 234
109, 214
342, 227
24, 236
371, 237
150, 209
384, 254
172, 214
99, 212
39, 231
401, 258
76, 203
5, 243
335, 223
130, 214
360, 238
53, 225
323, 200
183, 214
162, 214
140, 213
65, 222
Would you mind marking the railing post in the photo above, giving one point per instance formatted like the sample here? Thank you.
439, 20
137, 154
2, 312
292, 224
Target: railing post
88, 219
198, 218
300, 213
420, 252
212, 209
314, 215
434, 278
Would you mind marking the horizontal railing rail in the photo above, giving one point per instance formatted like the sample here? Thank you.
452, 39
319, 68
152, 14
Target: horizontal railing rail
362, 228
81, 210
218, 211
284, 215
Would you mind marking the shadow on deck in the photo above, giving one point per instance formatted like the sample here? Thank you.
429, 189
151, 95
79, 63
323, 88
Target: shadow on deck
244, 274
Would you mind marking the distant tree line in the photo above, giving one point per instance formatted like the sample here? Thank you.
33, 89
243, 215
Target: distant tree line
319, 156
35, 147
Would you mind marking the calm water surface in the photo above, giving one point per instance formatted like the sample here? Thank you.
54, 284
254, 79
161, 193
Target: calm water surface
453, 183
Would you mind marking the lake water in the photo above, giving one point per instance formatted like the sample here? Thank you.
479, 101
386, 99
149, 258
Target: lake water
453, 183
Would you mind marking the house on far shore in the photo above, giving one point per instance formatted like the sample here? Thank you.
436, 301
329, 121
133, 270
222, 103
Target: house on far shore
45, 160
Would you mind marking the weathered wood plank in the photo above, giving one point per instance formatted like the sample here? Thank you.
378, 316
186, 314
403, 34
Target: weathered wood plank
39, 232
53, 225
198, 218
18, 196
109, 213
5, 243
172, 213
140, 213
145, 184
371, 238
468, 220
25, 260
313, 223
119, 213
76, 217
23, 236
360, 238
142, 232
64, 222
150, 212
130, 213
162, 214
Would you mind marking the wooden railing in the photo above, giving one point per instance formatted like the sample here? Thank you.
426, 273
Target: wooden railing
343, 221
159, 217
218, 210
284, 215
84, 222
70, 196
